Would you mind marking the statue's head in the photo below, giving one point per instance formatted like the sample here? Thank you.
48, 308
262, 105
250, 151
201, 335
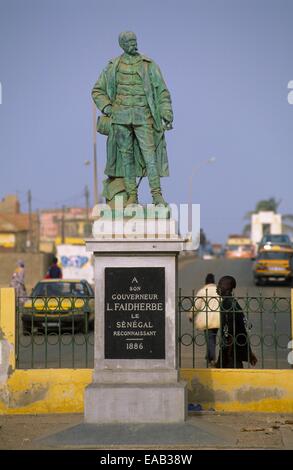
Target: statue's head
128, 42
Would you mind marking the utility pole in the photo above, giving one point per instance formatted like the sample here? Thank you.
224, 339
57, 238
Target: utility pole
87, 201
63, 225
30, 225
38, 234
95, 154
87, 226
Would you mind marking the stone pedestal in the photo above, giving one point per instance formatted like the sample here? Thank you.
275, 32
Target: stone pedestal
136, 372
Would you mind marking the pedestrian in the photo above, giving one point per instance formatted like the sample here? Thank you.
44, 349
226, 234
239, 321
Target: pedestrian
207, 315
17, 281
234, 345
54, 272
202, 243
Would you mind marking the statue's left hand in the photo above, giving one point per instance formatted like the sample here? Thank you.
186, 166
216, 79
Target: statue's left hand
167, 126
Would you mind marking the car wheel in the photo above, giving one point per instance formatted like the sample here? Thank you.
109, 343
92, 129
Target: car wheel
26, 329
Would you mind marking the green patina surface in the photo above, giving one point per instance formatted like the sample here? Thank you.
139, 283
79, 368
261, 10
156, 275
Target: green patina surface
132, 93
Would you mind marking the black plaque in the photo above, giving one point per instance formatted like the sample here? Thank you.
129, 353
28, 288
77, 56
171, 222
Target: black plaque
135, 313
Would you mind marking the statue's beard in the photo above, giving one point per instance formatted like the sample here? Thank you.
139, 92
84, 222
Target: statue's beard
132, 51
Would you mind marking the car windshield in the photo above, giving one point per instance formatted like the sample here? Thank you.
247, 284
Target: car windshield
61, 289
274, 255
276, 239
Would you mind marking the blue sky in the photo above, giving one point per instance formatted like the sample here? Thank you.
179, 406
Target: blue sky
227, 64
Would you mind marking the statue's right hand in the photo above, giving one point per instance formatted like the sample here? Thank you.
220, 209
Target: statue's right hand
108, 110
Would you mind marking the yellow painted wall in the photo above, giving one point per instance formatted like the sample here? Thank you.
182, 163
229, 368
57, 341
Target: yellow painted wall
7, 320
7, 240
62, 390
261, 390
44, 391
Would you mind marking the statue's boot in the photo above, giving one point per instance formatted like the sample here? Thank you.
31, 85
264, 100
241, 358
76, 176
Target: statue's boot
130, 179
157, 197
131, 189
154, 182
156, 191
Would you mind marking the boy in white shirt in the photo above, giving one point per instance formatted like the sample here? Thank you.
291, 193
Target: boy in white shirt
207, 315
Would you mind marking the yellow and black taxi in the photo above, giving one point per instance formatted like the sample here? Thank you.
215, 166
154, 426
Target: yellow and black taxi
282, 240
59, 304
273, 263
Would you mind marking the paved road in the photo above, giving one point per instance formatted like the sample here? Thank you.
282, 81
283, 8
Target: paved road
192, 273
77, 351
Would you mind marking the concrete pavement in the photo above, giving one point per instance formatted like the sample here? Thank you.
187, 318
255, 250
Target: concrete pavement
202, 430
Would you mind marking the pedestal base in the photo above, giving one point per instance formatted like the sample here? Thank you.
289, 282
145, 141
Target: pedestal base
136, 370
135, 403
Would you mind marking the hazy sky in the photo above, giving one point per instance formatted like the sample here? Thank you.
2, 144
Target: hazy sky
227, 64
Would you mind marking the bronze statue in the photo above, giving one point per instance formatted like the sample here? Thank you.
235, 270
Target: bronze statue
136, 106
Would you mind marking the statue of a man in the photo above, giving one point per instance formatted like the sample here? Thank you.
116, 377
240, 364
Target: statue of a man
132, 93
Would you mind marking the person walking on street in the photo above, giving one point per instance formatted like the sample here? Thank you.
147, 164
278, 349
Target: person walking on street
54, 272
206, 315
234, 346
17, 281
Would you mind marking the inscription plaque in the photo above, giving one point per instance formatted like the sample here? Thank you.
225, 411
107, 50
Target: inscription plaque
134, 313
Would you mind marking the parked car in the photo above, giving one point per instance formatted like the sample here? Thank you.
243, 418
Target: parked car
273, 264
59, 304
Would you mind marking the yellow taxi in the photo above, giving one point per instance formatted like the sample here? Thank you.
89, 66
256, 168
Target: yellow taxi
62, 304
273, 263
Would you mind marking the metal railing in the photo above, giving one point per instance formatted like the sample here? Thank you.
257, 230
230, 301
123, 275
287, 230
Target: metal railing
54, 332
266, 334
58, 332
